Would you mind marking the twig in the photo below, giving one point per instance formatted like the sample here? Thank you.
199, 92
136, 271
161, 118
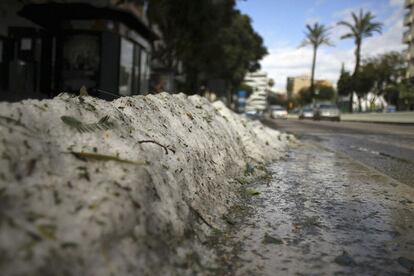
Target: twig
201, 217
155, 142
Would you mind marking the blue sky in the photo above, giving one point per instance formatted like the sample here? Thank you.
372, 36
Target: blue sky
281, 23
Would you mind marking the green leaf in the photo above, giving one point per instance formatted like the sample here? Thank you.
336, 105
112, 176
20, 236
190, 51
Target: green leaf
252, 192
102, 124
47, 231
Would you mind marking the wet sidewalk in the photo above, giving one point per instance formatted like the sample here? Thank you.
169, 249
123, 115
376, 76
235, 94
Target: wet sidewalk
323, 214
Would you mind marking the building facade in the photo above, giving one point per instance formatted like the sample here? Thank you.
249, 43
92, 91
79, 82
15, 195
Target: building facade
52, 47
295, 84
408, 37
259, 82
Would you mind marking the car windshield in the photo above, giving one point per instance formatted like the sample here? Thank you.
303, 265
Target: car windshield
307, 110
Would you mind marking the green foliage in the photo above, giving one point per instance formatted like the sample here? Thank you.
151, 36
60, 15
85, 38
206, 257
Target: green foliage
344, 84
383, 75
252, 192
237, 50
211, 38
363, 82
247, 88
304, 96
323, 93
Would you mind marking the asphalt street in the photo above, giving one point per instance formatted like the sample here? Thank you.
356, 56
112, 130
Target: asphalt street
388, 148
340, 203
321, 213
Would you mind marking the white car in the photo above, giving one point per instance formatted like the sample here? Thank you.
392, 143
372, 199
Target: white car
277, 111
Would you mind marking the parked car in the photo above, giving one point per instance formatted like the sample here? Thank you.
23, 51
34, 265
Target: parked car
254, 114
391, 109
327, 112
306, 113
277, 111
296, 110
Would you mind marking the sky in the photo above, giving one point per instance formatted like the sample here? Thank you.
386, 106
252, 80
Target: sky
281, 23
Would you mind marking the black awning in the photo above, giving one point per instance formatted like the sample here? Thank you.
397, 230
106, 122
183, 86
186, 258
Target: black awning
49, 16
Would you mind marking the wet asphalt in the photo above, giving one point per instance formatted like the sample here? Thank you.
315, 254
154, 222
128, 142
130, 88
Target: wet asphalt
325, 209
387, 148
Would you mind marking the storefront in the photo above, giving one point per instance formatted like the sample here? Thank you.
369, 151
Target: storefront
75, 45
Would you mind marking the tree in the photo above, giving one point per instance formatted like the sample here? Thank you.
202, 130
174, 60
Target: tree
304, 96
325, 93
344, 84
363, 83
211, 38
388, 73
362, 26
236, 51
316, 36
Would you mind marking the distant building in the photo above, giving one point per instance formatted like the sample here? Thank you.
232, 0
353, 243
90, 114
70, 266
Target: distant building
408, 37
295, 84
259, 82
50, 47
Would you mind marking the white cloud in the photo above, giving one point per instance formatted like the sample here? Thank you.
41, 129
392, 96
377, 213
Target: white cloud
286, 61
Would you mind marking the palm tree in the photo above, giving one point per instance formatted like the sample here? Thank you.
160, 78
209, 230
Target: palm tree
316, 36
362, 26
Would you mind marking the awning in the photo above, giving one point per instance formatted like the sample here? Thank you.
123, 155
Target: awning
49, 16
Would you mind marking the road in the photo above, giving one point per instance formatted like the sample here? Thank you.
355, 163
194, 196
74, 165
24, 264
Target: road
387, 148
332, 206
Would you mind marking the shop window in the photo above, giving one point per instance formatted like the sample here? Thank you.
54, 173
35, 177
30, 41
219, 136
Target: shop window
136, 81
145, 72
1, 51
81, 61
126, 67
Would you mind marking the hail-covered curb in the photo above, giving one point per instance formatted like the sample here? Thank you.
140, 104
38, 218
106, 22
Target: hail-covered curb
90, 187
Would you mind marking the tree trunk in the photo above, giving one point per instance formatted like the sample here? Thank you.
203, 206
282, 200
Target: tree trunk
357, 57
312, 84
357, 64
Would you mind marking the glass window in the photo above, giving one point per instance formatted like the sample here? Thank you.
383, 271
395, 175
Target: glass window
136, 82
125, 68
81, 58
1, 51
145, 72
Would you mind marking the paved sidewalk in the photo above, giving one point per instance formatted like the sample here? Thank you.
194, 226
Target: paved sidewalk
396, 117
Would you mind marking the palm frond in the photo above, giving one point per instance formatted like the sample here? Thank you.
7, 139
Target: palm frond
348, 35
362, 25
316, 35
103, 124
304, 43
